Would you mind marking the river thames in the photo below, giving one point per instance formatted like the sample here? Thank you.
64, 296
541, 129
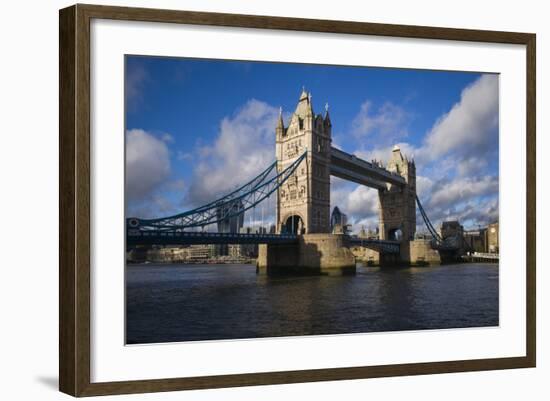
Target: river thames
172, 303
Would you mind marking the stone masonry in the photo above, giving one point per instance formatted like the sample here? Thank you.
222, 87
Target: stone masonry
397, 204
303, 204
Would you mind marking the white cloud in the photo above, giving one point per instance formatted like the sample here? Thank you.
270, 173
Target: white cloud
470, 214
359, 202
452, 162
383, 154
245, 145
471, 166
147, 164
424, 186
472, 123
167, 138
468, 131
362, 201
387, 123
184, 156
135, 80
463, 189
178, 185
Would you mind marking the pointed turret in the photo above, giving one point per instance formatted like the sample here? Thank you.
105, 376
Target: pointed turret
304, 108
396, 154
280, 130
304, 94
327, 117
280, 123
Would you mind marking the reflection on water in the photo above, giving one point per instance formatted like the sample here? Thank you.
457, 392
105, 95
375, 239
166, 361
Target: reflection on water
167, 303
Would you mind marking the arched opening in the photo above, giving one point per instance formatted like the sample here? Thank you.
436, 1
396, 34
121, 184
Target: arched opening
294, 225
395, 234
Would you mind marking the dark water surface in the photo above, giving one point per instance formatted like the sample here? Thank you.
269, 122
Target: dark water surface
206, 302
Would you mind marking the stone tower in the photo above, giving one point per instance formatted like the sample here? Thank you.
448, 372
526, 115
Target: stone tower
397, 209
303, 201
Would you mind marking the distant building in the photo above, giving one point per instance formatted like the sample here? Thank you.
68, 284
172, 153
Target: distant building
452, 233
476, 240
480, 240
253, 230
451, 228
493, 238
201, 252
234, 219
370, 234
236, 251
338, 221
250, 250
230, 218
423, 235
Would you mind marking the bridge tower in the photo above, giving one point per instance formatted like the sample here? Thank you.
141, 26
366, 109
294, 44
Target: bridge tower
397, 204
303, 202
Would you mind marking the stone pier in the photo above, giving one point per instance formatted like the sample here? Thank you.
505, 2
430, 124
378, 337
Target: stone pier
422, 253
312, 254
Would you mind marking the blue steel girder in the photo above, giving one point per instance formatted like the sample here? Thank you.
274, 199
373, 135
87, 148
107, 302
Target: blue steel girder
152, 237
230, 205
382, 246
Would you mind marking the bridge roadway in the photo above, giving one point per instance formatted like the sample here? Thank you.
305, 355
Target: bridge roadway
350, 167
384, 246
154, 237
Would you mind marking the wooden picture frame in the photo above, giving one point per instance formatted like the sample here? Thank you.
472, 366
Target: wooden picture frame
75, 207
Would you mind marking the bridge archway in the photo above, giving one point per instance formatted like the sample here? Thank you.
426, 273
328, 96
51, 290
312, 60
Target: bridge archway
294, 225
395, 234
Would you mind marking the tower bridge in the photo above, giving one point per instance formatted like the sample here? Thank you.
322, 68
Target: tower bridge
300, 176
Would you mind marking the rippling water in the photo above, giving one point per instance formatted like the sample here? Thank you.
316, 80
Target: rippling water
167, 303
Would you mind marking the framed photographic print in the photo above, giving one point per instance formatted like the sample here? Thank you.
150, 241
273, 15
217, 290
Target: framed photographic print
250, 200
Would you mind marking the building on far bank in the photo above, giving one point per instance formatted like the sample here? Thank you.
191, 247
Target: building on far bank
338, 222
493, 238
451, 228
452, 233
364, 254
370, 234
423, 235
232, 223
476, 240
249, 250
201, 252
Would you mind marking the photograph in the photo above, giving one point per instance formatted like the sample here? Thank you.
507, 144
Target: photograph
274, 199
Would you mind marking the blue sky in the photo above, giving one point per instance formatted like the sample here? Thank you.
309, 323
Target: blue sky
197, 128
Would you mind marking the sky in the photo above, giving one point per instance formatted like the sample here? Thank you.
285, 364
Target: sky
197, 128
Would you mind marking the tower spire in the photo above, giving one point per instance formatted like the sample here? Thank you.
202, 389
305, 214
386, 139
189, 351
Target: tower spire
327, 116
280, 123
304, 94
304, 108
